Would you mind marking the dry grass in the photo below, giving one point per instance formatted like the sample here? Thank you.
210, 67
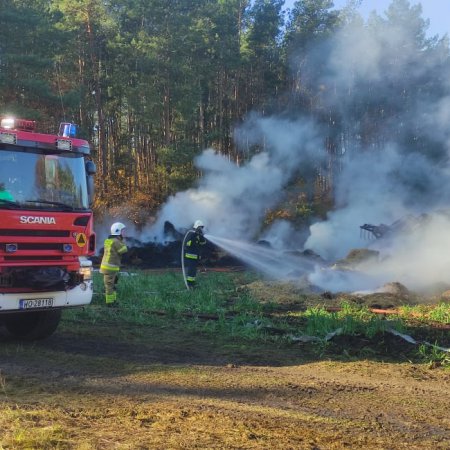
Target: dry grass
326, 405
171, 383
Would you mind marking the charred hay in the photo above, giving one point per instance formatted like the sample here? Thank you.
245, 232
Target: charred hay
167, 254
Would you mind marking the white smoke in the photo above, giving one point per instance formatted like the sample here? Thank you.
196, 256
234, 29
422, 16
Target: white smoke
418, 259
377, 184
232, 200
103, 228
377, 187
282, 235
389, 182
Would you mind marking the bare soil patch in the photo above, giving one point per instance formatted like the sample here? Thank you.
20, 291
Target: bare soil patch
116, 386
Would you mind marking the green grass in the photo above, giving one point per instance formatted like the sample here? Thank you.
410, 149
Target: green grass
221, 308
433, 356
439, 313
351, 320
146, 297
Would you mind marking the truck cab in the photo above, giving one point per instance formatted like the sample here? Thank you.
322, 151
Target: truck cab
46, 226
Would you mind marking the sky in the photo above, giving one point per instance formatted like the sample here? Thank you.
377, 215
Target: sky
435, 10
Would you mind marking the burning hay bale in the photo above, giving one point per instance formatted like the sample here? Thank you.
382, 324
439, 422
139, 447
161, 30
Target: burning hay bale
167, 254
295, 297
171, 233
390, 295
356, 258
395, 288
153, 255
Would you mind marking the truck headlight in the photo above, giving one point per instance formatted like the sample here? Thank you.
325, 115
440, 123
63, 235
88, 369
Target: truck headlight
86, 272
85, 268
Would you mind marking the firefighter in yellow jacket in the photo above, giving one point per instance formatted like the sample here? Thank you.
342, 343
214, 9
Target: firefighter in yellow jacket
114, 248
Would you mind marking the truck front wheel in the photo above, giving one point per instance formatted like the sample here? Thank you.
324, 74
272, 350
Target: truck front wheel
32, 325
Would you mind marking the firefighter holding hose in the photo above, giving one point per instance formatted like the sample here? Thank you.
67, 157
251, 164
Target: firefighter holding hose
192, 244
114, 248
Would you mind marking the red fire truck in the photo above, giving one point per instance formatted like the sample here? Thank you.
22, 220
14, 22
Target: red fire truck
46, 226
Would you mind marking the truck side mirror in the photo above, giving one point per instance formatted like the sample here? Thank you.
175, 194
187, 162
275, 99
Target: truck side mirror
91, 170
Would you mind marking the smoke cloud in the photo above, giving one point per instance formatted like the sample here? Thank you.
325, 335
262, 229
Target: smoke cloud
374, 71
232, 200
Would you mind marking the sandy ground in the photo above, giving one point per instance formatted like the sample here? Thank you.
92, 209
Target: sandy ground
165, 388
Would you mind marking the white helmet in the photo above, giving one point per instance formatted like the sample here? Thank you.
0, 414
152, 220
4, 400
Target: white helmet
198, 223
116, 228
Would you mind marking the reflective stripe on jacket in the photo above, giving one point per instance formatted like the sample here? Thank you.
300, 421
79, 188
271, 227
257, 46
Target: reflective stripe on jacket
112, 257
194, 241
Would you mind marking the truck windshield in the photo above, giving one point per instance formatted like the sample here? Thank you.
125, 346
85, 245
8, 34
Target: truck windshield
42, 181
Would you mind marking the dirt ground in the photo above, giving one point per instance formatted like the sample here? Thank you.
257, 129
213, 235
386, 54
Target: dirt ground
112, 385
164, 387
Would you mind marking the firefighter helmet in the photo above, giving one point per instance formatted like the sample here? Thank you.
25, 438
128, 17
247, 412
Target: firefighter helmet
197, 224
116, 228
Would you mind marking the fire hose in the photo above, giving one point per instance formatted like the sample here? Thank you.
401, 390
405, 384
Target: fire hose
182, 259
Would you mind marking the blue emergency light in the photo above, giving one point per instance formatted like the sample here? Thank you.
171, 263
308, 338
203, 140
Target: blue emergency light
67, 130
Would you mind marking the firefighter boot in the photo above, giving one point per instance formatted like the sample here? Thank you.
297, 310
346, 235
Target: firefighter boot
111, 299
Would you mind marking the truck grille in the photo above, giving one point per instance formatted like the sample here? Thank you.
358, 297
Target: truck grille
40, 246
5, 280
33, 258
38, 233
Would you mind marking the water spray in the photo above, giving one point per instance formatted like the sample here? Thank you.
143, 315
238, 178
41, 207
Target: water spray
276, 264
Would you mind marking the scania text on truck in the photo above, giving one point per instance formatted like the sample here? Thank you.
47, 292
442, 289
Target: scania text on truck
46, 226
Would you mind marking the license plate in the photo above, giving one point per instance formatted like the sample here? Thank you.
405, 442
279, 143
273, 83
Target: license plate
31, 303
